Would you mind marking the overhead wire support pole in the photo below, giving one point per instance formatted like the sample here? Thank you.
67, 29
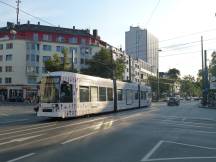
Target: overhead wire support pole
114, 83
17, 11
206, 78
203, 76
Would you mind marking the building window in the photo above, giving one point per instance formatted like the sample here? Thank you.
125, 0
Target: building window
46, 58
60, 39
0, 80
47, 47
0, 69
1, 46
35, 46
73, 40
8, 69
84, 94
47, 37
59, 48
35, 36
9, 45
83, 41
1, 58
8, 57
27, 57
73, 50
32, 58
32, 80
37, 58
102, 94
8, 80
81, 61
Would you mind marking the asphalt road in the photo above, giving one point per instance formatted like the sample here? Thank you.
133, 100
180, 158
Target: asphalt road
160, 133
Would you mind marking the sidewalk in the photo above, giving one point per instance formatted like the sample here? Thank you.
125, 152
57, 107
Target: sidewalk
5, 103
207, 106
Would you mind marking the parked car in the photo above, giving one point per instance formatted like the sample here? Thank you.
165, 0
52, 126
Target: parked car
173, 101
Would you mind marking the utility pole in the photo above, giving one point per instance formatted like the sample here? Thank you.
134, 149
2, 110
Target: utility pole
17, 11
114, 83
203, 76
206, 79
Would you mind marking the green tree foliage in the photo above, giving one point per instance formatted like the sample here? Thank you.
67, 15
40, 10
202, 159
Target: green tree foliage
190, 87
174, 73
165, 85
102, 65
212, 66
56, 64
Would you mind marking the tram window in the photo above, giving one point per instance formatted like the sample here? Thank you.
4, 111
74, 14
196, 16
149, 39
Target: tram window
129, 97
136, 95
143, 95
102, 94
120, 94
94, 94
84, 94
110, 94
66, 93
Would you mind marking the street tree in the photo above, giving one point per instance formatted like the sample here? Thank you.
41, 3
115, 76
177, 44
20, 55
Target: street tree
58, 64
190, 87
102, 65
212, 66
174, 73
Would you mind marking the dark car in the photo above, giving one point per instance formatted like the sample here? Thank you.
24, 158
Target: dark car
173, 101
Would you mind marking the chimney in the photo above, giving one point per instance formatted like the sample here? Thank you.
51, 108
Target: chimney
95, 33
28, 22
74, 28
38, 22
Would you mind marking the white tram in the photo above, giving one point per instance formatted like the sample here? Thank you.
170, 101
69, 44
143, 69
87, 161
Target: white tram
66, 94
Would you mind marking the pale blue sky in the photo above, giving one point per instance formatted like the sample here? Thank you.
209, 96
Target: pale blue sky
113, 17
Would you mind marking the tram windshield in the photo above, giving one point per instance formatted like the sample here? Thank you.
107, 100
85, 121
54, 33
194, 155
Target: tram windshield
49, 89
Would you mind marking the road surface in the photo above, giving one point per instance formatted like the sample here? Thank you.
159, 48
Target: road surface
158, 134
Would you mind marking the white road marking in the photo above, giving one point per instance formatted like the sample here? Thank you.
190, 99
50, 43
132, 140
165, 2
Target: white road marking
21, 157
18, 131
4, 114
199, 131
78, 138
97, 126
24, 127
180, 158
13, 121
208, 119
179, 124
190, 145
146, 157
20, 139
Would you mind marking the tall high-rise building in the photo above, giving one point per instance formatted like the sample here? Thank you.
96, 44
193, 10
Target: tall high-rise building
140, 44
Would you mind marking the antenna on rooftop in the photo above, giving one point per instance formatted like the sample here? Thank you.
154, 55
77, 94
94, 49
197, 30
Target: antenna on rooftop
17, 10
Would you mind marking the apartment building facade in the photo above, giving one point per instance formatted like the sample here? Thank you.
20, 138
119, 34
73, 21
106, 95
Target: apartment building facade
141, 44
24, 49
